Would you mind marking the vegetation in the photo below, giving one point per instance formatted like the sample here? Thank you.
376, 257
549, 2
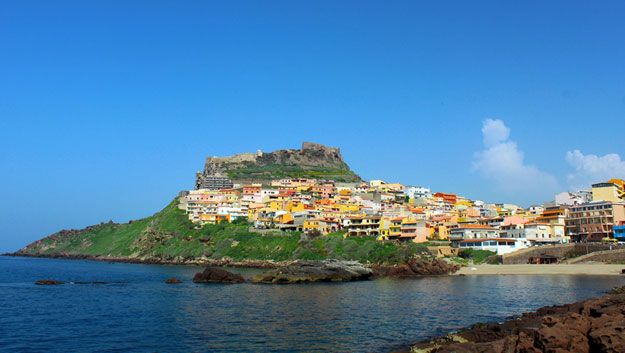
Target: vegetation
479, 256
278, 171
169, 234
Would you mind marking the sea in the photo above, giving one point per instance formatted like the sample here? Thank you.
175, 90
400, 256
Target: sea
117, 307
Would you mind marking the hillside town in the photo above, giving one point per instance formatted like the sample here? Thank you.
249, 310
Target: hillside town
397, 212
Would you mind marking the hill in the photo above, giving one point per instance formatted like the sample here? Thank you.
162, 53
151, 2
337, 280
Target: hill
168, 236
313, 161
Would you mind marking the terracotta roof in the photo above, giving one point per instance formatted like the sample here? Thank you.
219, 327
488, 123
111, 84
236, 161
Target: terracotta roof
475, 226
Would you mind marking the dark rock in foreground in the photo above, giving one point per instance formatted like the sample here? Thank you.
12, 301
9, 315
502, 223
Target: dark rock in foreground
316, 271
217, 275
594, 325
48, 282
173, 280
415, 268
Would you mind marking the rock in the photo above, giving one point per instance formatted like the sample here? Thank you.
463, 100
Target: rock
217, 275
316, 271
48, 282
595, 325
415, 268
173, 280
569, 332
310, 157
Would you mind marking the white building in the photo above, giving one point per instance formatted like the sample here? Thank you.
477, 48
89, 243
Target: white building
500, 246
472, 231
417, 192
573, 198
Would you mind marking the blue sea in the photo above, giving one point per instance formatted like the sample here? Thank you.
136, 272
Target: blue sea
135, 311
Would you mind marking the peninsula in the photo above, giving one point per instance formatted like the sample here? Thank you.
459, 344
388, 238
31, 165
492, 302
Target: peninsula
268, 209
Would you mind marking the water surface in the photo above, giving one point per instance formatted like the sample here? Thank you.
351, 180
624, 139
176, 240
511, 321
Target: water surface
137, 312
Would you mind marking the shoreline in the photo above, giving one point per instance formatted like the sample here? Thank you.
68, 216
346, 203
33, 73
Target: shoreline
262, 264
414, 268
590, 269
591, 325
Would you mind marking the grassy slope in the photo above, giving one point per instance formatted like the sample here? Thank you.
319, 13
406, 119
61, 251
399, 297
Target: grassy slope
168, 234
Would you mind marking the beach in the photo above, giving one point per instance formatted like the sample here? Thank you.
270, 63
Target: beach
553, 269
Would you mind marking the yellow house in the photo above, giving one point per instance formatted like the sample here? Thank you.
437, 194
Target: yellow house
347, 207
311, 225
395, 228
285, 218
294, 206
385, 224
214, 218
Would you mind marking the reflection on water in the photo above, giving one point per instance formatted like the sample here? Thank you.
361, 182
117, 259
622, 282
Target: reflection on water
144, 314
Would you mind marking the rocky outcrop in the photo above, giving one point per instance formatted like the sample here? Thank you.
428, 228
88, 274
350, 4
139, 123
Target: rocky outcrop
415, 268
312, 161
595, 325
316, 271
48, 282
173, 280
217, 275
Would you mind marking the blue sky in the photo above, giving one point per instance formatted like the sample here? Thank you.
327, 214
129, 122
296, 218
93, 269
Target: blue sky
108, 108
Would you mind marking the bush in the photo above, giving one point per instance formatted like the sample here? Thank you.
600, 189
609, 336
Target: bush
477, 256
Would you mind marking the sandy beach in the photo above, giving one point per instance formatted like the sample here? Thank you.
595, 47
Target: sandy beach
555, 269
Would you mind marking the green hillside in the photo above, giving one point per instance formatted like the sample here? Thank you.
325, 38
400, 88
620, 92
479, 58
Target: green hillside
168, 234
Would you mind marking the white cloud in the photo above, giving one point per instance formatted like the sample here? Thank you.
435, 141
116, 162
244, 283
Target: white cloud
503, 163
494, 131
590, 168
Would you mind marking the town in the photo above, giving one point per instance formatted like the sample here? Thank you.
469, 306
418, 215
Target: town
396, 212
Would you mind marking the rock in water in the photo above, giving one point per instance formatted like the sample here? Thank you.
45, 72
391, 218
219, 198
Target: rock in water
415, 268
316, 271
48, 282
173, 280
217, 275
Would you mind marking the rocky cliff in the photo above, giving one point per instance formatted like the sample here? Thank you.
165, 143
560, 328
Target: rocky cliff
311, 161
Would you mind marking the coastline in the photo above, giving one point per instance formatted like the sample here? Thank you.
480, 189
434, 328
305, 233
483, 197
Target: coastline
592, 325
591, 269
412, 269
267, 264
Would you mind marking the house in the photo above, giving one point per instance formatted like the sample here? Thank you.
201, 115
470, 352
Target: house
417, 192
500, 246
471, 231
446, 198
413, 230
362, 226
573, 198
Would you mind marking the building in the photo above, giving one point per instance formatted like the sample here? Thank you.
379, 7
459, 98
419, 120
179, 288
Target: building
611, 192
362, 226
594, 221
573, 198
413, 230
471, 231
619, 232
213, 182
417, 192
500, 246
447, 198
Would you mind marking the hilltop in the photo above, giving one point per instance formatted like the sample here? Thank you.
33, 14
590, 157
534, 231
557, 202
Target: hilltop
313, 160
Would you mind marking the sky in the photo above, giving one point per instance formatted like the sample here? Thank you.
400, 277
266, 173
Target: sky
108, 108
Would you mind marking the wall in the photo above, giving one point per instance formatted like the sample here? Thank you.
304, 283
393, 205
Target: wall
560, 251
